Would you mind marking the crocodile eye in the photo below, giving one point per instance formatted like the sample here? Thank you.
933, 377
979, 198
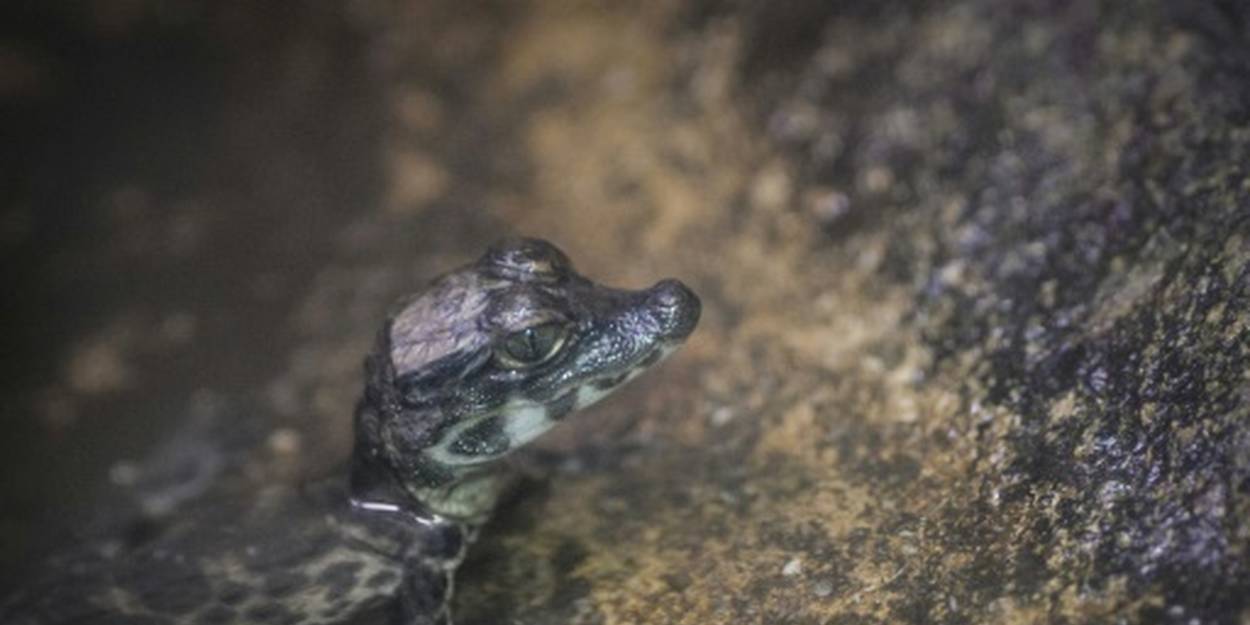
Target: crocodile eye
531, 346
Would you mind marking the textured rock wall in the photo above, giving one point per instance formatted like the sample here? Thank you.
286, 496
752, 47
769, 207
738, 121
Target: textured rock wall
976, 342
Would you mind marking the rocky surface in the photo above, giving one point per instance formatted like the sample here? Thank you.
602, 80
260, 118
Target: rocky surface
975, 279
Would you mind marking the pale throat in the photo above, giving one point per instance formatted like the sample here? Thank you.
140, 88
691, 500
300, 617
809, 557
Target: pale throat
477, 478
469, 451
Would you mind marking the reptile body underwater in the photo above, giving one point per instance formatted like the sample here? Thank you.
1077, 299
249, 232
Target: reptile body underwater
483, 361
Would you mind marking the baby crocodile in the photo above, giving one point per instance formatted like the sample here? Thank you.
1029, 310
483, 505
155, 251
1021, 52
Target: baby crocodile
485, 360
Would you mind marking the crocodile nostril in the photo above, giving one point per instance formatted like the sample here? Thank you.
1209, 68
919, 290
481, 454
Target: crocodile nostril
671, 293
676, 306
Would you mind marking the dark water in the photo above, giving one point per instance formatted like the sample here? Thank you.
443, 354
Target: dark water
171, 177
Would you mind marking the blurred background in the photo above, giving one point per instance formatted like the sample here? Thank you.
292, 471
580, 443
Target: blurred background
174, 176
974, 275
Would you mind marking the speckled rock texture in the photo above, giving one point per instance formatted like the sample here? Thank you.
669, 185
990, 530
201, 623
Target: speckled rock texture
975, 344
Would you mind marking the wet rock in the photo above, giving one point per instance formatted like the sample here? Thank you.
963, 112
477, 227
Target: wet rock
1002, 378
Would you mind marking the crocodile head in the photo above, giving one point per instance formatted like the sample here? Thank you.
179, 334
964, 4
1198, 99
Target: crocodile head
488, 358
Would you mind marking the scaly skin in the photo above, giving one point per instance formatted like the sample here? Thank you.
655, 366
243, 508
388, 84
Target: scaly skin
488, 358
